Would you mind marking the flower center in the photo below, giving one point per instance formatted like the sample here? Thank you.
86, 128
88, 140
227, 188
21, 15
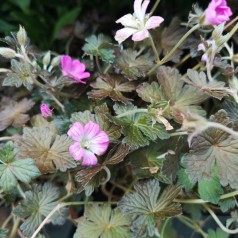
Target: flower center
85, 144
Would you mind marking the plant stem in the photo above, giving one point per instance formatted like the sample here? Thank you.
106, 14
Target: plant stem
163, 228
21, 191
190, 223
107, 68
184, 59
164, 60
132, 112
214, 216
222, 127
15, 227
9, 218
231, 22
98, 63
154, 48
181, 133
154, 7
191, 201
57, 101
6, 138
59, 206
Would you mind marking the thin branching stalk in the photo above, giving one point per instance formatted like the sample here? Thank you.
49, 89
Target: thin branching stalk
132, 112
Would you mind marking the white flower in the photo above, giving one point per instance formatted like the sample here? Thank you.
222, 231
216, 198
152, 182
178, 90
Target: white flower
137, 24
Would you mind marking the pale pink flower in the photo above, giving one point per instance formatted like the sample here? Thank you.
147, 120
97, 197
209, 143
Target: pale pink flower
137, 24
73, 69
217, 12
45, 110
88, 141
209, 48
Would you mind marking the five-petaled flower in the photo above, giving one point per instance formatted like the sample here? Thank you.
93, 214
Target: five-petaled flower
74, 69
217, 12
137, 24
88, 141
45, 110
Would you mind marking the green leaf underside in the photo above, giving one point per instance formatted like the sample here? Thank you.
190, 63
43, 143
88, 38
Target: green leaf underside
14, 169
37, 205
148, 205
103, 222
137, 128
214, 150
217, 234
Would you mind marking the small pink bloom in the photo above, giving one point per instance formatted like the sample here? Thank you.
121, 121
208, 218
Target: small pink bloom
138, 24
45, 110
73, 69
88, 141
217, 12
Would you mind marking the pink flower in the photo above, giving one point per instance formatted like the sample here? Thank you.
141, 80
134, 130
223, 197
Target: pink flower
45, 110
137, 24
88, 141
73, 69
217, 12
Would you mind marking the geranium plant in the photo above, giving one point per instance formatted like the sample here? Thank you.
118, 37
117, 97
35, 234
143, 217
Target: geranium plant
128, 137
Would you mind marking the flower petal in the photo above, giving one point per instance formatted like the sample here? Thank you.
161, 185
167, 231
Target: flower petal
153, 22
89, 159
91, 129
76, 151
128, 20
76, 131
66, 62
141, 35
78, 67
99, 144
143, 9
137, 8
123, 34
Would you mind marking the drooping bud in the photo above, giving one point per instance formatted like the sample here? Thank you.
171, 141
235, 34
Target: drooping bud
7, 52
45, 110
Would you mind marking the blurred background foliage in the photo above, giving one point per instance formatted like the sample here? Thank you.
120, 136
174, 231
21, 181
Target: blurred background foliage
51, 23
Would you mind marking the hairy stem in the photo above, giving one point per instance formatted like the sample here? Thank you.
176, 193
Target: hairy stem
57, 101
59, 206
154, 7
216, 219
154, 48
164, 60
6, 138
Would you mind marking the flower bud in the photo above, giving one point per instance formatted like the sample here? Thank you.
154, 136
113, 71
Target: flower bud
45, 110
56, 61
46, 59
21, 36
7, 52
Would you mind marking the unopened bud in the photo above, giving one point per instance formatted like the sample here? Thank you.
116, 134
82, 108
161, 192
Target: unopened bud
56, 61
235, 58
21, 36
7, 52
46, 59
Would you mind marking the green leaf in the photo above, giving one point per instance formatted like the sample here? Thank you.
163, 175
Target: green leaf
183, 180
3, 233
182, 98
49, 150
138, 128
217, 234
210, 190
214, 150
150, 92
233, 219
227, 204
99, 46
38, 204
92, 177
169, 231
68, 18
23, 4
12, 169
194, 211
111, 86
132, 65
21, 75
148, 205
231, 107
146, 164
213, 88
103, 222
